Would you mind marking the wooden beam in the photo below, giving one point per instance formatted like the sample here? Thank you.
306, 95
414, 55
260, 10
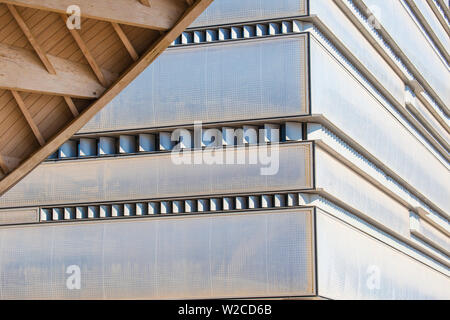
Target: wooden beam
162, 14
145, 2
126, 42
72, 106
21, 70
155, 50
34, 43
87, 54
439, 16
28, 117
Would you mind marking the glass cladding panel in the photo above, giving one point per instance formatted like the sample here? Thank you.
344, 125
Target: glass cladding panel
232, 11
239, 80
353, 265
217, 256
157, 176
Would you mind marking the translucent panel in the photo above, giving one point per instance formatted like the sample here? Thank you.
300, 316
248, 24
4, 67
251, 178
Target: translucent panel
430, 234
159, 176
241, 80
353, 265
216, 256
347, 33
434, 23
231, 11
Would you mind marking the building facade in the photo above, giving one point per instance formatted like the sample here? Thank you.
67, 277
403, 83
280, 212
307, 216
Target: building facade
280, 149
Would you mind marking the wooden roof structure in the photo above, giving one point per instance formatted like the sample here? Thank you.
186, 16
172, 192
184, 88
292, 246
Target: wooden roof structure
60, 64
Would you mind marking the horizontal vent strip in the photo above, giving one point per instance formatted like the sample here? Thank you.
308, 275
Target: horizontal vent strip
162, 141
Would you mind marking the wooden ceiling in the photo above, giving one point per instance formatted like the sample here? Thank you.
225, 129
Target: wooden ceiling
54, 79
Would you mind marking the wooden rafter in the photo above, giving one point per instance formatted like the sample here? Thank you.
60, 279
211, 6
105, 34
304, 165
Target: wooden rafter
34, 43
87, 54
28, 117
161, 15
89, 68
126, 42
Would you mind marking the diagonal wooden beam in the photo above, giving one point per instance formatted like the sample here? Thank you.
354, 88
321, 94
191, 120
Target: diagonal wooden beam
87, 54
161, 15
72, 106
34, 43
65, 134
28, 117
126, 42
21, 70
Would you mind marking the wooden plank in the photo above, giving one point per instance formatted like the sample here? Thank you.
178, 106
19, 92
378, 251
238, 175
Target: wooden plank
161, 15
106, 46
10, 124
71, 106
34, 43
19, 141
126, 42
28, 117
154, 51
22, 71
87, 54
3, 168
140, 38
